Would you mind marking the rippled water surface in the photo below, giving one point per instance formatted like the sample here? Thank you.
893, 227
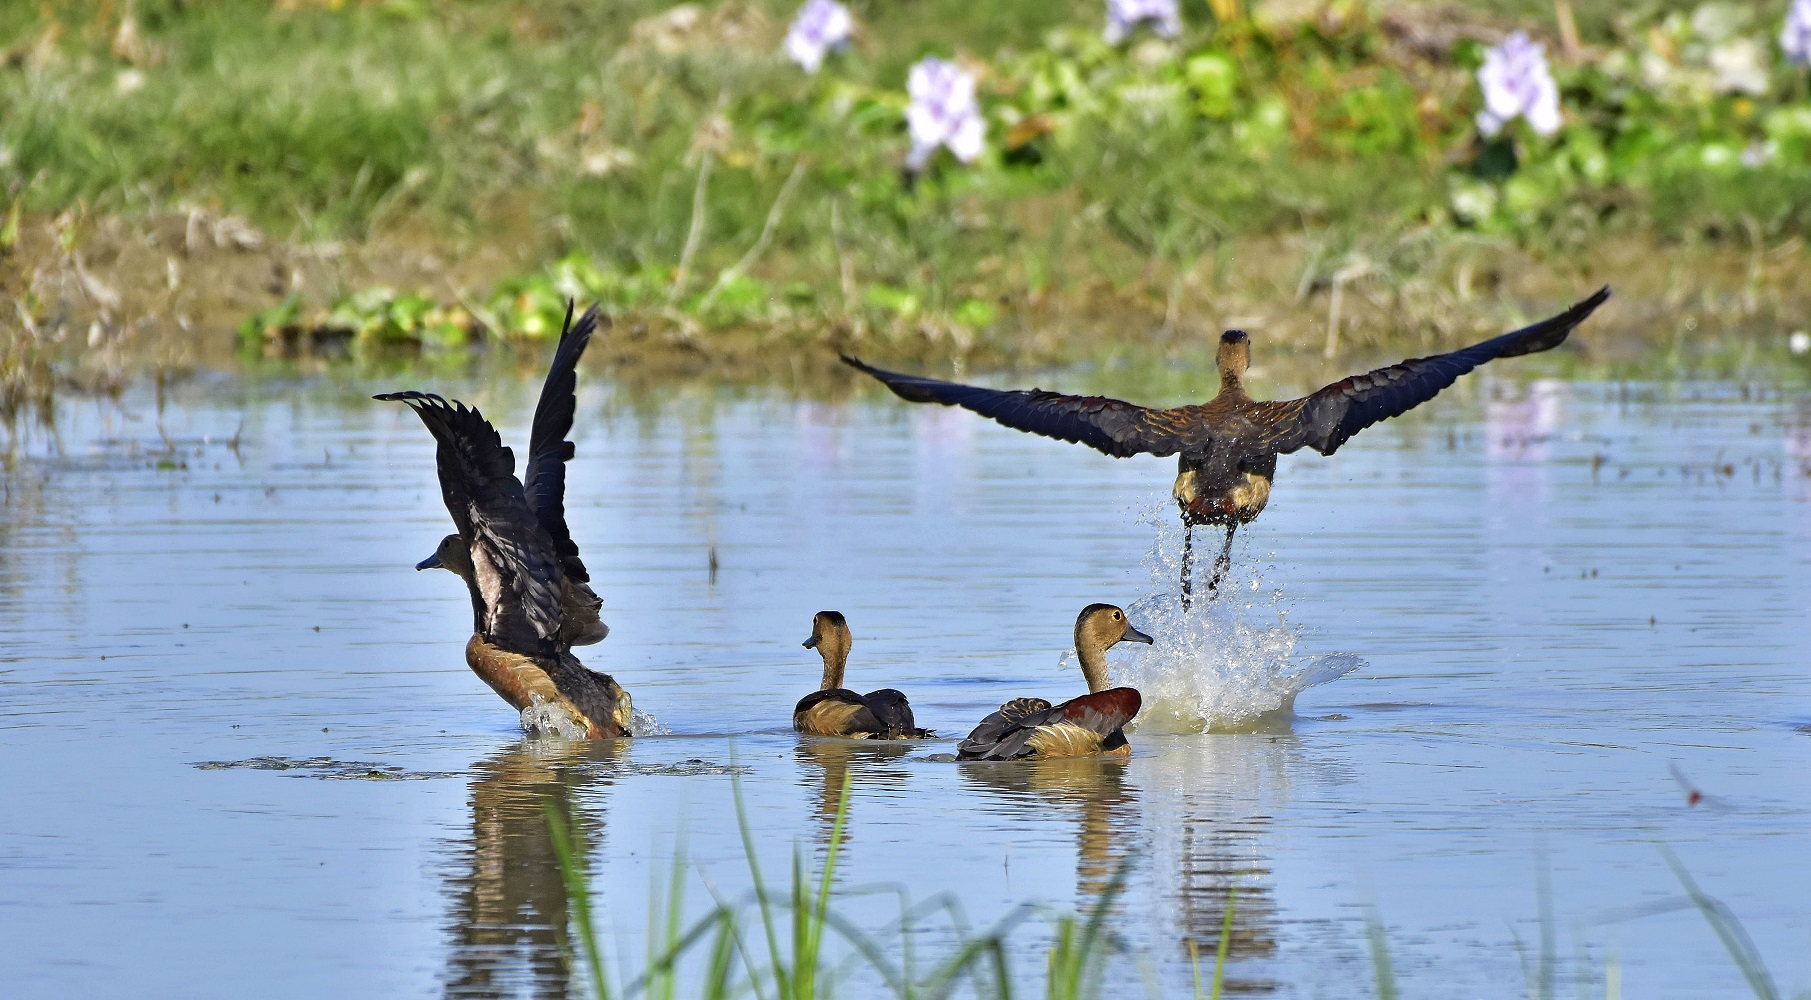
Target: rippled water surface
1569, 607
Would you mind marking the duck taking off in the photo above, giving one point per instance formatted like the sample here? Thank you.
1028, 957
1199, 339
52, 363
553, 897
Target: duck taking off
1091, 724
1228, 446
834, 710
530, 593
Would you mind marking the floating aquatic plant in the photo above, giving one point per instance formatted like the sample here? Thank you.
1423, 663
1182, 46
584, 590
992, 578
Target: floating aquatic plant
1517, 84
943, 112
822, 26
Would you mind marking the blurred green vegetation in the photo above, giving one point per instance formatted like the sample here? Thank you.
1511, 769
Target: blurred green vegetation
591, 132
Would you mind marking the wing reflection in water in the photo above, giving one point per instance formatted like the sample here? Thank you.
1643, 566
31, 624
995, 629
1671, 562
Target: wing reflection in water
830, 760
1092, 789
510, 905
1211, 803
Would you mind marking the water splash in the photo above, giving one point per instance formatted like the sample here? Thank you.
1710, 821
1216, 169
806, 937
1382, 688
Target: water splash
1228, 662
643, 724
545, 718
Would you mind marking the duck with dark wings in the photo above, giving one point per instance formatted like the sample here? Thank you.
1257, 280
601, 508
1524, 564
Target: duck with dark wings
834, 710
530, 593
1091, 724
1228, 446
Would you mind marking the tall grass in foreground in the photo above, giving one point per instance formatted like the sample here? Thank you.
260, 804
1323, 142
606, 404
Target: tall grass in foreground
782, 952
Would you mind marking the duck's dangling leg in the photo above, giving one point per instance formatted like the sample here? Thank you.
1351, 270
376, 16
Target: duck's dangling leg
1224, 563
1188, 557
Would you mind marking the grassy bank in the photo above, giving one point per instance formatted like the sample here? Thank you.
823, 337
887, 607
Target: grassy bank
360, 175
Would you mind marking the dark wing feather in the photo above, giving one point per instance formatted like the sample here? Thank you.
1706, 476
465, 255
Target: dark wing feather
1110, 425
1002, 735
544, 479
478, 483
895, 713
1326, 419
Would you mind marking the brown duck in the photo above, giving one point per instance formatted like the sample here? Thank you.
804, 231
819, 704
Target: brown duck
834, 710
1228, 446
1091, 724
531, 601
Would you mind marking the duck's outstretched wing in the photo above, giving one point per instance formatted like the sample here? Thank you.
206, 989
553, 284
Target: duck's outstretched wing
544, 478
517, 568
1114, 426
1326, 419
895, 714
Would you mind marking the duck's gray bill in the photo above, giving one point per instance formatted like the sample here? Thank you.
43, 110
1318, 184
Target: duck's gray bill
431, 562
810, 643
1133, 635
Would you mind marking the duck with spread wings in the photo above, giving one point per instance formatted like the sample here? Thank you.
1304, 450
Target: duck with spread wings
1228, 446
530, 592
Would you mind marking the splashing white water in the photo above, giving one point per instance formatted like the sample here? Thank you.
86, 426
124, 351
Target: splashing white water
643, 724
1226, 663
545, 718
542, 718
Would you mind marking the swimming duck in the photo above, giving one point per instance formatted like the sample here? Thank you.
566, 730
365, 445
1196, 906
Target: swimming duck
1091, 724
531, 601
834, 710
1228, 446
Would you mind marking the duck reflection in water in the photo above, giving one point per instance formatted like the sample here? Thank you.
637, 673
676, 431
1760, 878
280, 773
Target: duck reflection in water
825, 764
509, 930
1094, 791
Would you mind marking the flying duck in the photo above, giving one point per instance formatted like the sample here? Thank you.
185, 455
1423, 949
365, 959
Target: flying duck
1091, 724
834, 710
531, 602
1228, 446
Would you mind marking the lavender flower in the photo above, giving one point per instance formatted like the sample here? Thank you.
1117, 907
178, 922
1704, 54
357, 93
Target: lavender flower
1795, 37
1517, 84
942, 112
1125, 15
821, 25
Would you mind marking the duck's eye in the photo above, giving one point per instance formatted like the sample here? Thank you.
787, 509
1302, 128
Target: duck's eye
1115, 616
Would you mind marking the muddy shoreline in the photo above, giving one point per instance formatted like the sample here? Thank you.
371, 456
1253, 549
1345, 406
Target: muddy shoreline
91, 302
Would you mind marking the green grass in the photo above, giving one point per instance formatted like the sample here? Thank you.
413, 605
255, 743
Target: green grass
699, 185
792, 943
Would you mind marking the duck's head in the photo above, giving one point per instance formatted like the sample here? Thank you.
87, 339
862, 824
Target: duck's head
1100, 626
830, 637
1235, 354
453, 555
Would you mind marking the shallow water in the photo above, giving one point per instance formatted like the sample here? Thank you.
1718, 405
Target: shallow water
1556, 648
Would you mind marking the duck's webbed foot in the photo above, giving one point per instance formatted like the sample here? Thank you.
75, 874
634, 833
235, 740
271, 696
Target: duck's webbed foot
1224, 562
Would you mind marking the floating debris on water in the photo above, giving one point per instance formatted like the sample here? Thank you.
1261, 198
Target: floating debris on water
690, 767
326, 767
1228, 662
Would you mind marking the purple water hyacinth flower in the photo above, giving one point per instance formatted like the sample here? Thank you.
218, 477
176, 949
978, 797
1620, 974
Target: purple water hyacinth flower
1125, 15
821, 25
942, 112
1517, 84
1795, 37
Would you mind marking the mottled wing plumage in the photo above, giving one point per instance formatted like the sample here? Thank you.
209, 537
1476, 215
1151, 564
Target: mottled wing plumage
544, 478
1113, 426
478, 483
1329, 417
1002, 735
